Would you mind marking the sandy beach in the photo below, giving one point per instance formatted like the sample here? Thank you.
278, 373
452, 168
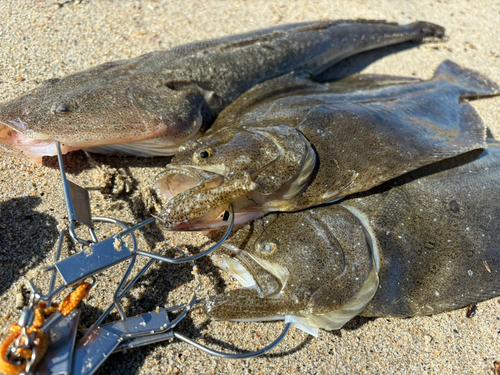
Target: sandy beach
47, 39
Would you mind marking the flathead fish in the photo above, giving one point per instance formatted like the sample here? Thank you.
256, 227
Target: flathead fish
151, 104
290, 143
424, 243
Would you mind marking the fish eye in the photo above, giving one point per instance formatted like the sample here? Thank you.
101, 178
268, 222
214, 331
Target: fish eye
267, 246
203, 154
60, 109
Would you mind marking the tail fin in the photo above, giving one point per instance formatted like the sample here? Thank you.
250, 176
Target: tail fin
478, 84
429, 32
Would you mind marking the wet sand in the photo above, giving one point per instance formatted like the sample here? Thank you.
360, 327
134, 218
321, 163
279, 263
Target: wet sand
46, 39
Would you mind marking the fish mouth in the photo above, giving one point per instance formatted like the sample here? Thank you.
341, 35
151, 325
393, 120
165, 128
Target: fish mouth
177, 180
185, 191
15, 142
17, 138
267, 278
39, 145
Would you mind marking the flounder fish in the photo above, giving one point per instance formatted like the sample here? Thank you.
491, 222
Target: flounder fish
424, 243
290, 143
151, 104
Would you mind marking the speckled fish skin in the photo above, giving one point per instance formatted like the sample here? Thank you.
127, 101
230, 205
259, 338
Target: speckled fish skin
290, 143
149, 105
435, 233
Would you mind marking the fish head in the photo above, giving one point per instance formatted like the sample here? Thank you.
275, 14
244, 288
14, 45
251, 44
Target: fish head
102, 112
255, 170
293, 264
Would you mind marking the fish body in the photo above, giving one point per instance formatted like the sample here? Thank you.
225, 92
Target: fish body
290, 143
151, 104
424, 243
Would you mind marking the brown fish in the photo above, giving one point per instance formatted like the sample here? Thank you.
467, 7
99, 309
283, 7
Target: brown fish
289, 144
416, 245
151, 104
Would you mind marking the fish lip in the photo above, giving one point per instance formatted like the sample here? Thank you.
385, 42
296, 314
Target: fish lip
234, 267
250, 276
190, 171
18, 126
178, 200
198, 175
17, 142
239, 219
179, 179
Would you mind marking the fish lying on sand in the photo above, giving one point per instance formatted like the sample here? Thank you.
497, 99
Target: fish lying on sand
290, 143
424, 243
151, 104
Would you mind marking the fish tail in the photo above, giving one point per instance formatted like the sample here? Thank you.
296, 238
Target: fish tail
427, 32
479, 85
353, 37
